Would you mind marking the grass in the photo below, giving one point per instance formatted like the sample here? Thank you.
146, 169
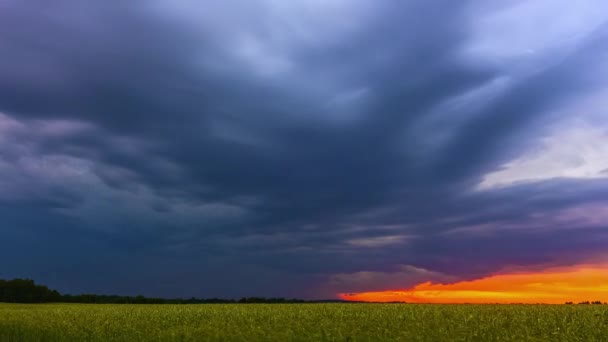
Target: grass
302, 322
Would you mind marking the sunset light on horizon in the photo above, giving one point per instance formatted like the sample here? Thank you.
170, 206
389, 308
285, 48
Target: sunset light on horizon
550, 286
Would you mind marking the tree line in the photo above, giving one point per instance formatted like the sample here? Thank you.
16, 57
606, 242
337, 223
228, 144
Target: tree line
27, 291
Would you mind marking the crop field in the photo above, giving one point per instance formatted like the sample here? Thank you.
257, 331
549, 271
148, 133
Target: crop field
302, 322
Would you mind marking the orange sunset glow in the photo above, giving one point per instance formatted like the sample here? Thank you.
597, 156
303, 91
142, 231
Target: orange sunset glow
550, 286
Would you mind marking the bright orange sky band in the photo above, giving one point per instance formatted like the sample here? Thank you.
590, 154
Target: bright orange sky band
551, 286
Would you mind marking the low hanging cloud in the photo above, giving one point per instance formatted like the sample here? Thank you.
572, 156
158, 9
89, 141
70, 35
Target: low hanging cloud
298, 145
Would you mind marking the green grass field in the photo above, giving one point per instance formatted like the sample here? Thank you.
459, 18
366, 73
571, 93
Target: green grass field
302, 322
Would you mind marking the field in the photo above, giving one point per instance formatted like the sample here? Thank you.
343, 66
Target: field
302, 322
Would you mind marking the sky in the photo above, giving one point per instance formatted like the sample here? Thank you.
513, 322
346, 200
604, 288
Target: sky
305, 148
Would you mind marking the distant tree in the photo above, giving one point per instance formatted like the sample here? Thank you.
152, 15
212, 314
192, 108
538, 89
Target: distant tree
26, 291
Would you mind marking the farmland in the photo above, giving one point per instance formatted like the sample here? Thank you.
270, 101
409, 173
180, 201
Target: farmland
302, 322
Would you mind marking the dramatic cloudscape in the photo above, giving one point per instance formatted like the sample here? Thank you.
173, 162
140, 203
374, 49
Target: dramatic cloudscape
420, 150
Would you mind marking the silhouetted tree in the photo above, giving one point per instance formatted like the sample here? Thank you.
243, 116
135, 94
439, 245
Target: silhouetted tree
26, 291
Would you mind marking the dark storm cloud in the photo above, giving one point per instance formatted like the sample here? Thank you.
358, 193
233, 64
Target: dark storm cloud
280, 145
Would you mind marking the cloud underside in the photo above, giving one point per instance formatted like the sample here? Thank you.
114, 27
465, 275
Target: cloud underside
271, 148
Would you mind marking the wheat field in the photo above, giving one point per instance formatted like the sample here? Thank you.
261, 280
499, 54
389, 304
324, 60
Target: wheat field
302, 322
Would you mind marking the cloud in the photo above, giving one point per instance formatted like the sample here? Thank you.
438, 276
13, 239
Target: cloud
379, 241
86, 187
509, 31
570, 147
577, 152
299, 142
402, 277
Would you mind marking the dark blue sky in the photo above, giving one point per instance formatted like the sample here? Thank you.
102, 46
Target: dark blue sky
299, 148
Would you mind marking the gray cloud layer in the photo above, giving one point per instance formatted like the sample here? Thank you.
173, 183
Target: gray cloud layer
264, 148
